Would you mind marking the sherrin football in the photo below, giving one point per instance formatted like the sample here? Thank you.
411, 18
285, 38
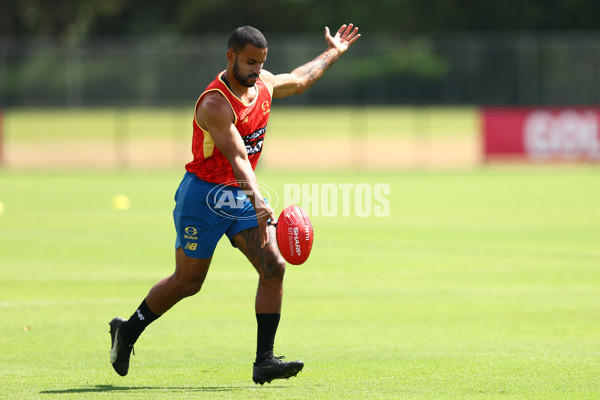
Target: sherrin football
294, 235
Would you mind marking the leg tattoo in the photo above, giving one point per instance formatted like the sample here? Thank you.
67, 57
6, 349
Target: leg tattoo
264, 259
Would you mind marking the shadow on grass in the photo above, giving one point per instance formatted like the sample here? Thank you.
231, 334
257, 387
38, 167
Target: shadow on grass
111, 388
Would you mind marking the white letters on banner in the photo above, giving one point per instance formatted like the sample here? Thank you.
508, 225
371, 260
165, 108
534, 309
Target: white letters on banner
568, 134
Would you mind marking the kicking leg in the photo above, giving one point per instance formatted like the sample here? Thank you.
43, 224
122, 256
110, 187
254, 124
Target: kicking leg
270, 266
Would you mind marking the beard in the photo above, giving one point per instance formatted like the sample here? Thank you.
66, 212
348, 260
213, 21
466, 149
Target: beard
244, 80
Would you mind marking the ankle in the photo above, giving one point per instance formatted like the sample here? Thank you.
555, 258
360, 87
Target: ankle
261, 357
135, 325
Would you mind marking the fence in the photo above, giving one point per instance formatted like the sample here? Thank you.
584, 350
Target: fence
95, 102
297, 137
410, 68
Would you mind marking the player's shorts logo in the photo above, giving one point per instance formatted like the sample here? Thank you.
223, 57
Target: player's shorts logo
191, 231
191, 246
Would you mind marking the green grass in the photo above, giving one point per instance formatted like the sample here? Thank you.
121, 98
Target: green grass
377, 121
481, 284
159, 138
52, 125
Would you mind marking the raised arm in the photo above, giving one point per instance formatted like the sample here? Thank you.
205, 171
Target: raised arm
304, 76
215, 115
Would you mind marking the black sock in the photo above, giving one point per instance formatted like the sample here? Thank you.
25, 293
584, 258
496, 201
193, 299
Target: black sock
265, 338
141, 318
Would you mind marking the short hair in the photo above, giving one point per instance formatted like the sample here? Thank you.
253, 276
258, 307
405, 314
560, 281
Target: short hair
245, 35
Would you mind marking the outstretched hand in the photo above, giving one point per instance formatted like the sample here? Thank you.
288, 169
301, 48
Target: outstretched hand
343, 39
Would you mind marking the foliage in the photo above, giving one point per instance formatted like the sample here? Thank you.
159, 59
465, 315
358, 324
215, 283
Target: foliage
81, 18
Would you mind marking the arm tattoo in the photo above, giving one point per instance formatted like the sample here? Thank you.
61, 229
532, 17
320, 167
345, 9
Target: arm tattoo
315, 69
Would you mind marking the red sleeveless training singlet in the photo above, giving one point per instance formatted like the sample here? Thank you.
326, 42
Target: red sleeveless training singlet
209, 163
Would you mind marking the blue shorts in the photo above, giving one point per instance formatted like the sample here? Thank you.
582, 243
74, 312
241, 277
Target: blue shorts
205, 211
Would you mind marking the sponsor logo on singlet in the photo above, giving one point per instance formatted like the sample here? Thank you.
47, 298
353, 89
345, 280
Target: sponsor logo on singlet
254, 141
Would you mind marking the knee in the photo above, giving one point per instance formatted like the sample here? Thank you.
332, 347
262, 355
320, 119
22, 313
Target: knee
187, 288
273, 269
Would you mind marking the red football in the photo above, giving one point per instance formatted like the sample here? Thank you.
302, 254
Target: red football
294, 235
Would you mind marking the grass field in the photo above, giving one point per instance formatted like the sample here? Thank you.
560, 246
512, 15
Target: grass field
48, 125
159, 138
481, 284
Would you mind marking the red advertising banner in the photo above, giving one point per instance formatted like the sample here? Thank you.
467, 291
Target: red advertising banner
553, 134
